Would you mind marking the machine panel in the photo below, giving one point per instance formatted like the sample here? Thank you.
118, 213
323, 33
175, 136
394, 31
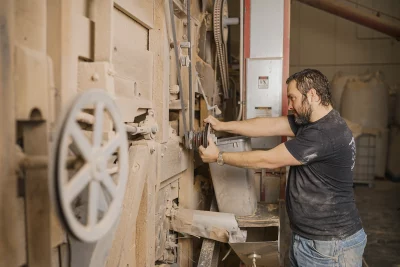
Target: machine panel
266, 40
264, 94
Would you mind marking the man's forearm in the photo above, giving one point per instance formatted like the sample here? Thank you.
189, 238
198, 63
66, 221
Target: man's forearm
234, 127
249, 159
259, 127
248, 127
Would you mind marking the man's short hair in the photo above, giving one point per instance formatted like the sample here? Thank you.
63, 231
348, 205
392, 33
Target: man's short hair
311, 78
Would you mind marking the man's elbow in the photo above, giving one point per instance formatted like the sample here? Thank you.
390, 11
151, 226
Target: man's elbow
267, 163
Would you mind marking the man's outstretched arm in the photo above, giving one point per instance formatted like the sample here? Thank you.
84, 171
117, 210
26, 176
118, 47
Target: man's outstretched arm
257, 127
258, 159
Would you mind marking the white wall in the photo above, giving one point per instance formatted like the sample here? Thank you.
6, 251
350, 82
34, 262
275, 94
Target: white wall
328, 43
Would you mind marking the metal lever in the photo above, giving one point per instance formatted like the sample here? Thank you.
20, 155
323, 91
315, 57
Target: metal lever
213, 108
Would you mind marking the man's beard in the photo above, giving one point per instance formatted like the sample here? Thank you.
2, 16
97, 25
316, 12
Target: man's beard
304, 116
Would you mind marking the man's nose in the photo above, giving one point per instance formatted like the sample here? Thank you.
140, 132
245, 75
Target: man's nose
290, 106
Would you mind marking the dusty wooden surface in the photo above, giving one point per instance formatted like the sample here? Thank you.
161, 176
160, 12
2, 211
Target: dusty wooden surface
159, 46
210, 249
265, 215
140, 10
103, 19
123, 248
209, 254
10, 252
127, 43
37, 199
186, 200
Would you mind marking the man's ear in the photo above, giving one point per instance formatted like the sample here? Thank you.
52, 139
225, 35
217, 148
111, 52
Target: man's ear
314, 95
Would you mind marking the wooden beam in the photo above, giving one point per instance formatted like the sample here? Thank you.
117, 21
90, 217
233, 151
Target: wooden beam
103, 30
141, 11
159, 45
9, 250
186, 200
266, 215
122, 252
37, 199
209, 254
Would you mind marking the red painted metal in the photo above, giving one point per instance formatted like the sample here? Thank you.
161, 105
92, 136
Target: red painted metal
341, 9
247, 16
246, 48
285, 75
286, 52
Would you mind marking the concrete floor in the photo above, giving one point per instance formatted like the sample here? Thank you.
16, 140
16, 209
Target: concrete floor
379, 209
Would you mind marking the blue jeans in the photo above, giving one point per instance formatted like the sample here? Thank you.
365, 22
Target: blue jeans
338, 253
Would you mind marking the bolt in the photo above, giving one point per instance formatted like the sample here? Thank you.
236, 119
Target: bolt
110, 72
152, 150
162, 155
95, 77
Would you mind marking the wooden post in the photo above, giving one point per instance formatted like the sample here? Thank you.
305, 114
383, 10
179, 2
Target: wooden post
9, 249
186, 200
37, 198
159, 45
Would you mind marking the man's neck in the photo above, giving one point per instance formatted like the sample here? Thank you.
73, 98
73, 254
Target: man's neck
320, 112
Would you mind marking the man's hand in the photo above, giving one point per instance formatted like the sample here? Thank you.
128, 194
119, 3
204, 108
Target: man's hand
209, 154
215, 123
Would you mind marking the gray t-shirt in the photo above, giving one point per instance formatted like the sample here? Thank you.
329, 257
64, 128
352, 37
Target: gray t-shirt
319, 195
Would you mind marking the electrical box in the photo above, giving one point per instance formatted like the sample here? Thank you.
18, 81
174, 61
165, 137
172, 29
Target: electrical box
264, 67
264, 95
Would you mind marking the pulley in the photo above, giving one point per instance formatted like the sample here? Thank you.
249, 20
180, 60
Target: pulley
195, 139
89, 189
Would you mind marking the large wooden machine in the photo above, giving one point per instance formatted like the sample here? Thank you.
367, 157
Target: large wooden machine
102, 109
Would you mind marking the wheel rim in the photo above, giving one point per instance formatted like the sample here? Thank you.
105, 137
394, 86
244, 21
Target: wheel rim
96, 179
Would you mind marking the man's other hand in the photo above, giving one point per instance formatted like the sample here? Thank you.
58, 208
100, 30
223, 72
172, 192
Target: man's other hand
215, 123
209, 154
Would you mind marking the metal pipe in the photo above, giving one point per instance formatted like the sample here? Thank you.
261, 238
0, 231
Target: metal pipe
131, 129
230, 21
241, 62
339, 8
189, 34
178, 64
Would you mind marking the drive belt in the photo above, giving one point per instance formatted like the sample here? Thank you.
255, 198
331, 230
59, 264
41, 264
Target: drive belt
222, 54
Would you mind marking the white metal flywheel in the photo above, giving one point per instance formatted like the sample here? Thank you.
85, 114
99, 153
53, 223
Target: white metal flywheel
89, 171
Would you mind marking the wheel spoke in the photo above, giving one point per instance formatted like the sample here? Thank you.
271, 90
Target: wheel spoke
94, 191
111, 146
78, 183
81, 141
112, 170
109, 184
98, 124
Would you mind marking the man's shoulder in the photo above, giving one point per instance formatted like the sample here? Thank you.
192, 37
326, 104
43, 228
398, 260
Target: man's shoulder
333, 122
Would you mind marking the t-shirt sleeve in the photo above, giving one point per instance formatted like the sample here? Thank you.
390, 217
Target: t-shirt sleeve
309, 146
292, 123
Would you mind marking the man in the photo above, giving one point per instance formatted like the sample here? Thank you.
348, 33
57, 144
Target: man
327, 229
